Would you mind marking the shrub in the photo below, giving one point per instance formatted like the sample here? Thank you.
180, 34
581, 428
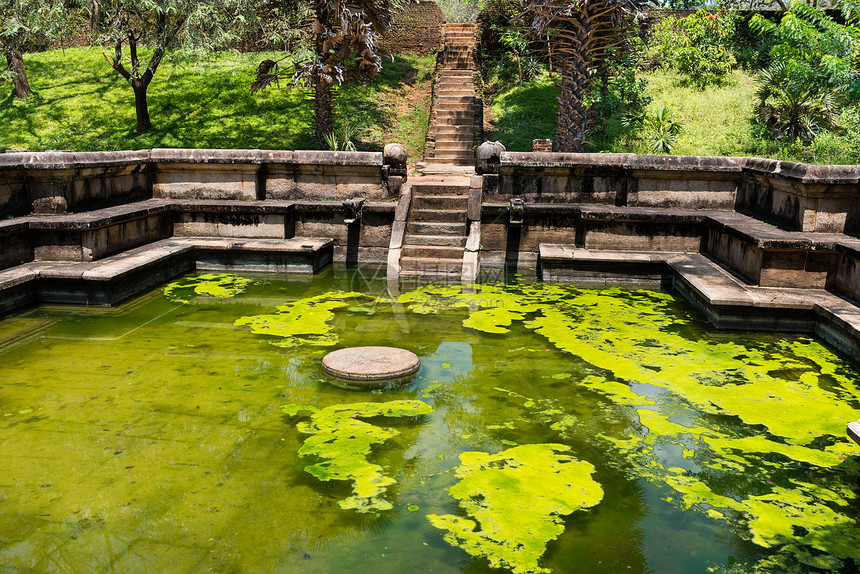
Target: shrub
661, 129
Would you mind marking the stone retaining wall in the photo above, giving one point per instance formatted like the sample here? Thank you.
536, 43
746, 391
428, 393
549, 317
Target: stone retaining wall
60, 182
794, 196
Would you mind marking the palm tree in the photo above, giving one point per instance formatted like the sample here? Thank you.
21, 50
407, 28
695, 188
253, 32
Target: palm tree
790, 106
347, 38
587, 36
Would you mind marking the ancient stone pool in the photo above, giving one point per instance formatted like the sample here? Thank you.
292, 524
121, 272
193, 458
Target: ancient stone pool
550, 428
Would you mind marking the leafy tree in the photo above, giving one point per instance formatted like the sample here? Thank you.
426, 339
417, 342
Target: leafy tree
698, 46
588, 35
346, 38
517, 43
814, 64
21, 23
149, 29
813, 46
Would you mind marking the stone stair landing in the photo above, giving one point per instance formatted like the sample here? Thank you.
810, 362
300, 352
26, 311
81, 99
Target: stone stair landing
451, 134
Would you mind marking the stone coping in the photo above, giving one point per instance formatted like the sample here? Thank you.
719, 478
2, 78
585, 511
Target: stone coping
801, 172
83, 160
112, 215
804, 173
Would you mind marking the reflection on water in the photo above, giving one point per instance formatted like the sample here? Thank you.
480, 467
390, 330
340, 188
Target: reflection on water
150, 437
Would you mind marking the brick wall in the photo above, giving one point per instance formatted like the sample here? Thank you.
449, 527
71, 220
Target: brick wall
416, 30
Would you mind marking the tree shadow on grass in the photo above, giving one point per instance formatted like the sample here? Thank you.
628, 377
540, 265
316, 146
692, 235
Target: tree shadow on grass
368, 106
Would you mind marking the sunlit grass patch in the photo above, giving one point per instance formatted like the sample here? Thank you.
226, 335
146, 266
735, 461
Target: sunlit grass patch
80, 103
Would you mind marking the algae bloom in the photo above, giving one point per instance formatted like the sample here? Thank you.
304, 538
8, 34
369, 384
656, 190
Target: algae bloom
306, 321
516, 499
343, 442
209, 284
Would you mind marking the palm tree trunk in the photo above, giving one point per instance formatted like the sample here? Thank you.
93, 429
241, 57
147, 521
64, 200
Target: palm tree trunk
573, 116
19, 74
323, 112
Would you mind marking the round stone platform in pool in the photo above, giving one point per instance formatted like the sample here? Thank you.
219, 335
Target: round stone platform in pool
371, 366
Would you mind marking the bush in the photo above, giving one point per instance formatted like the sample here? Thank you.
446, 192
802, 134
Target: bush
698, 46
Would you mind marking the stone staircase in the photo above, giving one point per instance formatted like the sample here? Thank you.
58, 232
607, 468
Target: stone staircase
453, 126
436, 231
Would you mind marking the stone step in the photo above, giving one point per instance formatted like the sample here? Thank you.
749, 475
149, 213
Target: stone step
457, 75
465, 114
461, 158
454, 110
435, 228
457, 100
433, 251
451, 131
438, 215
430, 266
454, 106
455, 88
461, 137
440, 240
466, 162
454, 121
432, 189
447, 145
451, 90
439, 201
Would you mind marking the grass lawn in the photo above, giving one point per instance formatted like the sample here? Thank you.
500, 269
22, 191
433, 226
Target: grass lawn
718, 122
80, 103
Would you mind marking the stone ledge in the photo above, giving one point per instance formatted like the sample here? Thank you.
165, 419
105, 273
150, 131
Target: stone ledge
78, 160
294, 245
650, 214
725, 299
71, 160
854, 431
118, 277
99, 217
800, 172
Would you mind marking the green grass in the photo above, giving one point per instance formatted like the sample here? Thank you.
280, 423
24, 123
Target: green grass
394, 107
718, 122
80, 103
520, 115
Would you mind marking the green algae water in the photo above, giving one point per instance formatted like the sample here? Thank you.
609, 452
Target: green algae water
550, 429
